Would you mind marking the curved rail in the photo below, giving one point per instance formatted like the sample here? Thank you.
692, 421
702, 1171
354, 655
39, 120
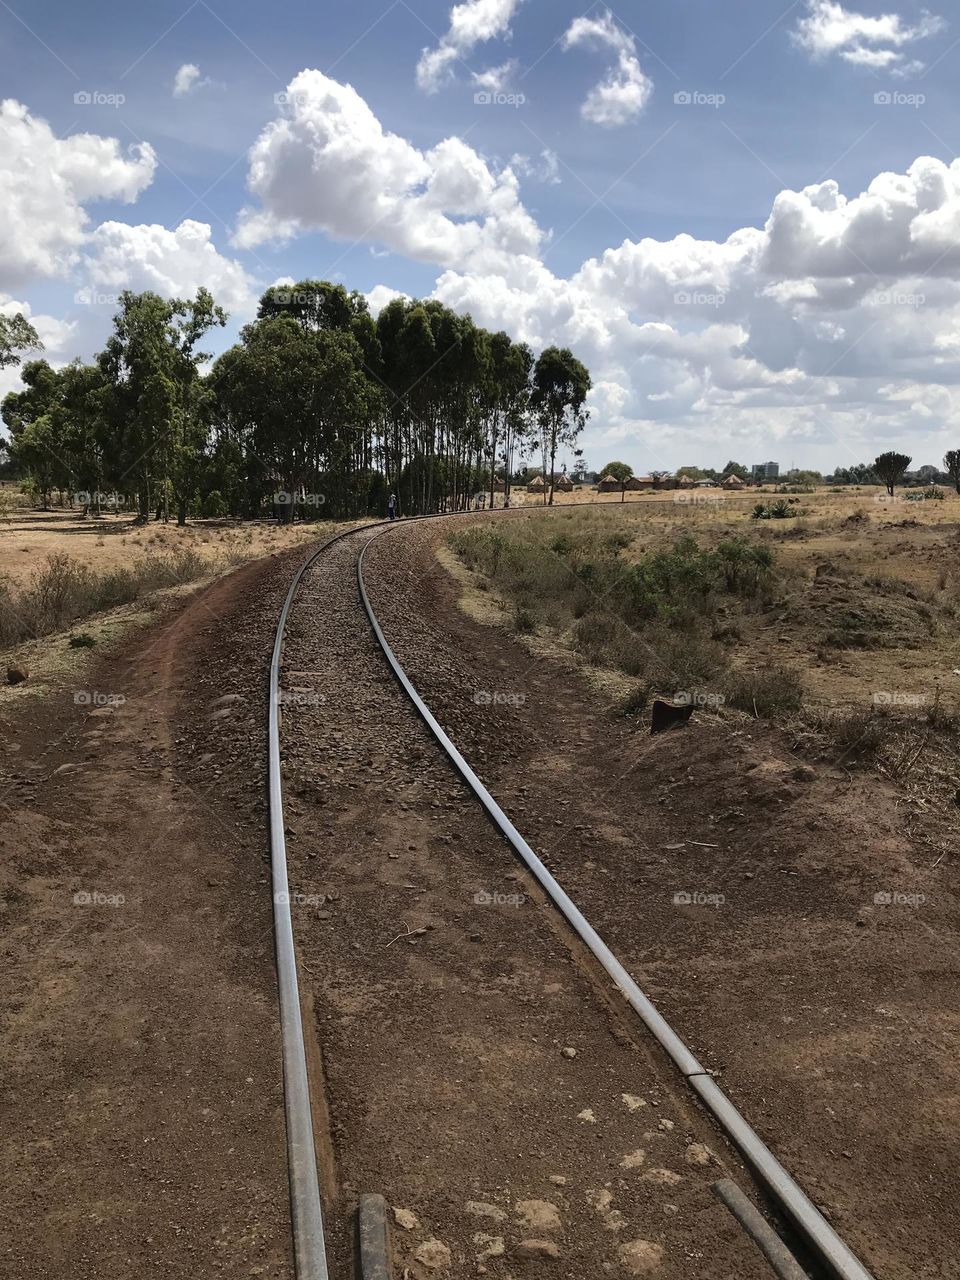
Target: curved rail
309, 1245
814, 1227
309, 1248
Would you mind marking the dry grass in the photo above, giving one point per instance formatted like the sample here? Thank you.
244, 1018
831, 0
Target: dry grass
666, 616
852, 644
29, 537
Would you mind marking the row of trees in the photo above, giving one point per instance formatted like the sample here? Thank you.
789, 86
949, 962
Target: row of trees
892, 468
318, 405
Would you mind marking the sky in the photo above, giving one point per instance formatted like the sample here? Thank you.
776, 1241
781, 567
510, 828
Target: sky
743, 218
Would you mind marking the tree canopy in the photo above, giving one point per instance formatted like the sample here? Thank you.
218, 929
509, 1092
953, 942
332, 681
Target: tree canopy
317, 405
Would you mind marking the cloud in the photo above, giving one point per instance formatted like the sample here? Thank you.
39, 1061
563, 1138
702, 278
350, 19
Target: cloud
626, 90
876, 43
185, 79
547, 170
327, 164
471, 23
172, 263
380, 295
836, 324
46, 181
496, 79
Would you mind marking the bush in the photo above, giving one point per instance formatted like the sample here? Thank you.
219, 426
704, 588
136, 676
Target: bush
765, 693
63, 591
214, 505
653, 617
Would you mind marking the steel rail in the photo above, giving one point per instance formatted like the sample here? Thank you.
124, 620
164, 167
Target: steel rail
310, 1256
309, 1246
808, 1219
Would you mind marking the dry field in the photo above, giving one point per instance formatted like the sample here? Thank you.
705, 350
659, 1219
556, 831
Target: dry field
882, 570
65, 580
28, 537
849, 647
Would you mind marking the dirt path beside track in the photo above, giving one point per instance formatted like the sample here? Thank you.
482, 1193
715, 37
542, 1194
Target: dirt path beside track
833, 1022
142, 1127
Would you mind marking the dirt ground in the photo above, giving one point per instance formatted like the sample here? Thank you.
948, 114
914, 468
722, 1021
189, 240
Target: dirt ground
478, 1074
142, 1128
831, 1018
466, 1059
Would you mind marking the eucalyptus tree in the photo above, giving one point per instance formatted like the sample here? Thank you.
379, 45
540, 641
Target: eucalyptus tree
17, 335
151, 361
560, 387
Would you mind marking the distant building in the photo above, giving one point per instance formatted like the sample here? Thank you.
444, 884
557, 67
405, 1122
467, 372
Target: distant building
766, 470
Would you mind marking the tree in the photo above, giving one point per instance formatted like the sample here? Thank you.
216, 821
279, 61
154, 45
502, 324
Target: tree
735, 469
151, 362
16, 334
890, 467
316, 398
621, 471
951, 464
560, 387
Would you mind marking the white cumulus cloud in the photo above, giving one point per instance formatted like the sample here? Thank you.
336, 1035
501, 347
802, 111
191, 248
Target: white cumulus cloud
45, 184
471, 23
625, 91
185, 79
173, 263
836, 324
328, 164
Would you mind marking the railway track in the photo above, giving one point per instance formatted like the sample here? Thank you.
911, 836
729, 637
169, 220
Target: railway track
323, 704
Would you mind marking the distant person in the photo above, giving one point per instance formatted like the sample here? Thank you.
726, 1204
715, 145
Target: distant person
392, 506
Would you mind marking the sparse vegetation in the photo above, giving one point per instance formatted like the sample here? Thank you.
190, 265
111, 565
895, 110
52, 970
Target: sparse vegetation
63, 591
657, 616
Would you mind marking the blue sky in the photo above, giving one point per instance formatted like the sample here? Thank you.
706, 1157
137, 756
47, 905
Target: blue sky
821, 336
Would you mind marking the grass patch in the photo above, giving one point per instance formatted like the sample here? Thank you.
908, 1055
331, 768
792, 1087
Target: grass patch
63, 591
660, 616
765, 693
